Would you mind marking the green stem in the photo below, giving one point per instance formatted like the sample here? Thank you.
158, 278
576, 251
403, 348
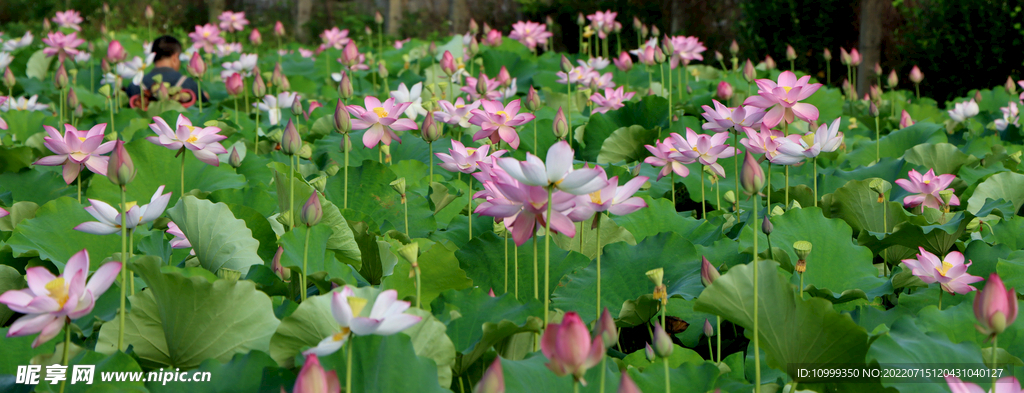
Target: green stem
785, 205
235, 101
703, 210
536, 149
917, 88
199, 99
305, 259
878, 141
736, 164
661, 67
405, 205
668, 385
256, 139
547, 259
828, 72
768, 192
757, 350
995, 347
536, 275
575, 386
182, 171
718, 325
430, 151
291, 197
568, 111
604, 367
940, 298
347, 148
673, 178
79, 186
815, 181
419, 286
515, 248
348, 365
131, 252
598, 265
67, 346
711, 355
124, 268
801, 286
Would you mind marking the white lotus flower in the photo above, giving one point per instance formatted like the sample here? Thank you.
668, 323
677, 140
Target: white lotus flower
386, 318
404, 94
272, 105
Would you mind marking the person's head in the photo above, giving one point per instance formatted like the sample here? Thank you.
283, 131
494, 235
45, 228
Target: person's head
165, 52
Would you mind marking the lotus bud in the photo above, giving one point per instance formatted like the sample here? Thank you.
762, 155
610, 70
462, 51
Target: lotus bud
606, 328
474, 46
493, 380
719, 57
644, 31
724, 90
708, 273
916, 75
649, 353
654, 31
734, 48
399, 186
751, 176
844, 56
662, 342
345, 89
149, 13
259, 87
105, 66
766, 226
284, 85
106, 8
995, 307
749, 74
729, 197
827, 54
873, 109
432, 130
60, 78
342, 119
481, 87
279, 29
234, 159
848, 88
637, 25
382, 69
312, 378
666, 45
560, 125
432, 49
566, 64
448, 63
46, 25
878, 69
580, 19
297, 106
977, 96
78, 112
276, 78
769, 63
875, 92
378, 18
116, 52
487, 29
532, 99
659, 56
234, 84
120, 169
626, 384
72, 97
291, 142
503, 77
855, 58
790, 53
196, 66
255, 38
708, 329
312, 211
279, 270
893, 80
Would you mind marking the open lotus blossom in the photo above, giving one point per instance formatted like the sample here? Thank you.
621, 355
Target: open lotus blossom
524, 208
411, 96
767, 142
380, 120
569, 349
490, 88
615, 199
273, 105
69, 19
995, 307
950, 272
602, 82
556, 171
135, 69
666, 156
577, 75
530, 34
83, 57
1011, 115
204, 142
465, 159
400, 43
49, 301
723, 118
496, 121
926, 189
595, 63
76, 149
783, 99
705, 149
314, 379
603, 22
110, 219
387, 317
963, 110
23, 104
686, 49
62, 45
14, 44
5, 60
458, 113
493, 38
335, 38
624, 62
225, 49
207, 36
232, 21
611, 100
826, 139
245, 64
1002, 385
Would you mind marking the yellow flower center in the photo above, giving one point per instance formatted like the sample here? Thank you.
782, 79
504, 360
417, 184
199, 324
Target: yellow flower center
787, 88
380, 112
130, 204
206, 34
357, 304
58, 291
459, 106
927, 182
81, 138
596, 197
471, 150
945, 268
191, 138
694, 148
503, 113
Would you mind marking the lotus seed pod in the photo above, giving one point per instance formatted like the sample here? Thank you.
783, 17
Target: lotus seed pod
802, 248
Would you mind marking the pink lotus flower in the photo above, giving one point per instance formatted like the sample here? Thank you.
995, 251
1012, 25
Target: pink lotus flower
686, 49
255, 37
207, 36
465, 159
905, 120
723, 118
926, 189
765, 142
179, 241
1011, 115
232, 21
109, 219
387, 317
916, 75
62, 45
68, 19
458, 113
530, 34
950, 272
601, 82
116, 52
493, 38
668, 158
233, 84
1002, 385
335, 38
380, 120
611, 100
522, 207
568, 347
826, 139
612, 198
724, 91
204, 142
995, 307
705, 149
783, 98
624, 62
493, 380
76, 149
603, 22
400, 43
490, 88
497, 122
581, 75
50, 301
279, 29
556, 171
314, 379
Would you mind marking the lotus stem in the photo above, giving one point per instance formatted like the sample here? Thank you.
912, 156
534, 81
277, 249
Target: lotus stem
757, 350
815, 162
405, 206
711, 355
828, 72
305, 258
199, 99
917, 89
469, 213
668, 385
598, 223
124, 268
291, 197
67, 346
536, 149
785, 201
568, 112
515, 248
182, 171
256, 138
419, 285
801, 286
604, 367
718, 326
235, 101
940, 298
80, 185
878, 140
662, 68
575, 386
348, 365
347, 148
131, 251
995, 348
718, 195
768, 193
536, 279
736, 164
547, 260
703, 209
673, 178
430, 150
245, 93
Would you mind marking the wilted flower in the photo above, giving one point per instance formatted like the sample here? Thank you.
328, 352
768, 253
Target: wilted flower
950, 272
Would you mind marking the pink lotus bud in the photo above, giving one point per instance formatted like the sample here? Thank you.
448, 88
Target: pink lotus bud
473, 27
654, 31
666, 46
624, 62
234, 159
734, 48
644, 31
378, 18
724, 90
549, 21
105, 67
659, 56
72, 97
566, 64
432, 129
606, 329
848, 88
893, 80
844, 56
350, 55
342, 119
769, 63
432, 49
875, 92
149, 14
873, 109
905, 120
1010, 86
878, 69
297, 106
752, 175
977, 96
995, 307
234, 84
719, 56
636, 24
493, 380
709, 331
259, 86
275, 265
120, 169
284, 86
291, 142
255, 38
196, 65
649, 353
312, 211
103, 29
766, 225
532, 99
277, 77
708, 273
662, 342
448, 63
313, 379
569, 349
9, 79
749, 73
78, 112
487, 29
827, 54
60, 78
503, 77
626, 384
46, 25
106, 8
854, 57
560, 126
116, 52
279, 29
617, 27
345, 89
790, 53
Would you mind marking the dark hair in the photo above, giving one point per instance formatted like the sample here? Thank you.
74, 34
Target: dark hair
164, 47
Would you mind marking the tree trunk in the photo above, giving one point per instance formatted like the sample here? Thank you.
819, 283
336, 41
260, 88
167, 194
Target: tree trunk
394, 17
303, 11
458, 16
215, 8
870, 43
